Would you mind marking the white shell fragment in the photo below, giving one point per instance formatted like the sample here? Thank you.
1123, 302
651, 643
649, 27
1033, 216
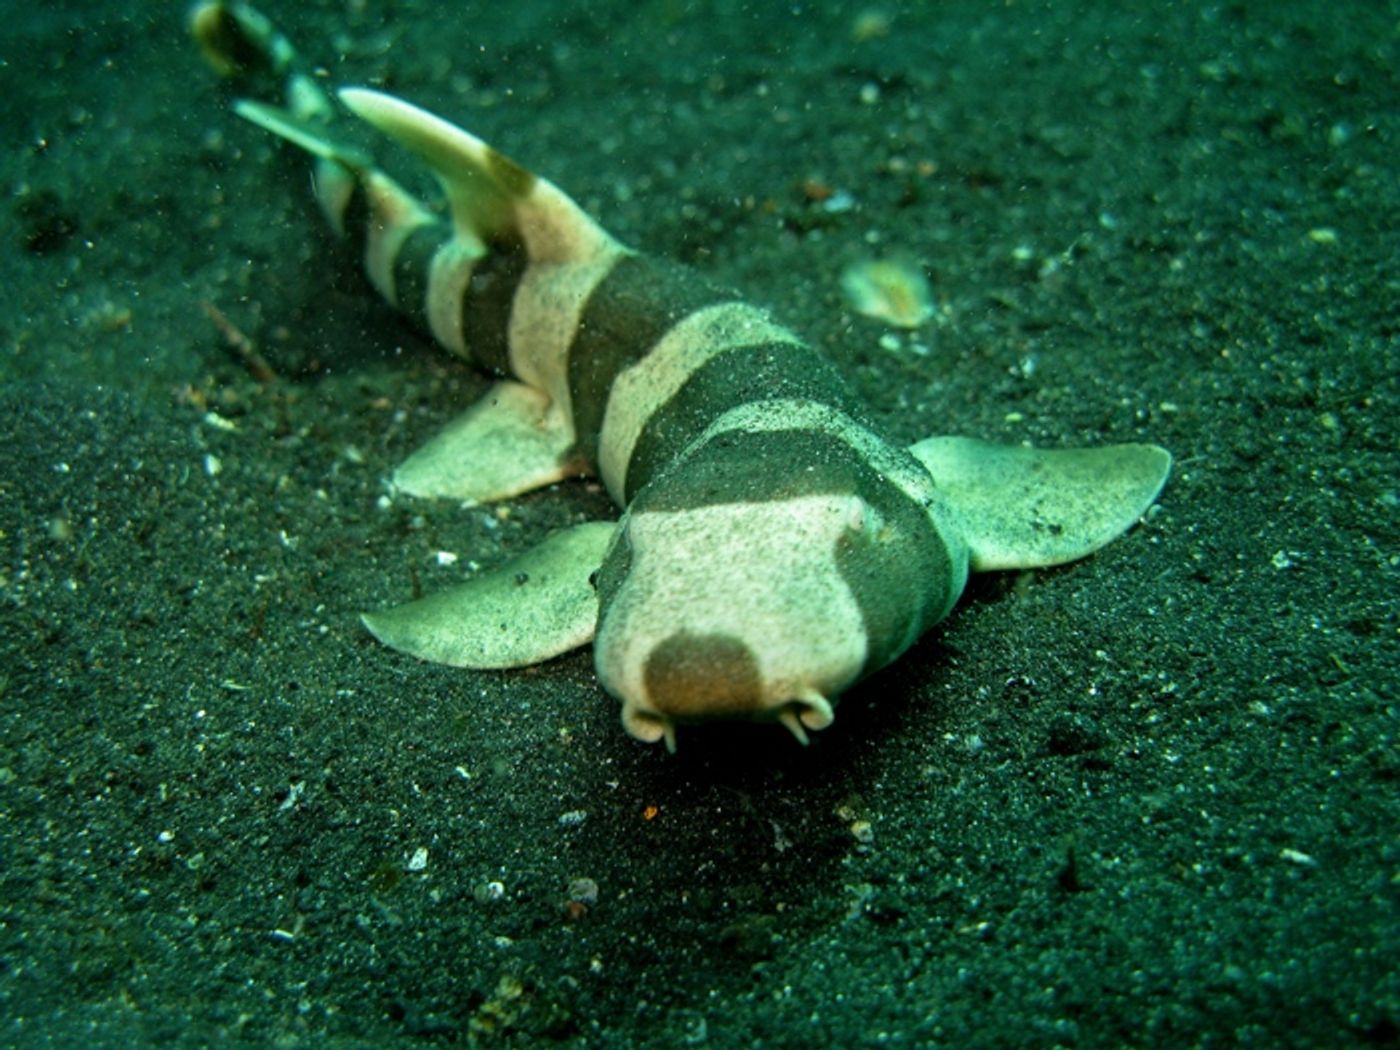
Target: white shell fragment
888, 290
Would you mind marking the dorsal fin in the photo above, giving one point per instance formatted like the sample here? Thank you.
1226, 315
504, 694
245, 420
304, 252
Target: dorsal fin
490, 195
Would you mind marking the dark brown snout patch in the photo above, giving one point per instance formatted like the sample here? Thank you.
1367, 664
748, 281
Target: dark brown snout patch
692, 676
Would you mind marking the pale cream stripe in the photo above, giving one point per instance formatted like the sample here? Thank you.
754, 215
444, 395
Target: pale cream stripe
449, 277
901, 469
393, 215
570, 255
334, 184
639, 391
544, 319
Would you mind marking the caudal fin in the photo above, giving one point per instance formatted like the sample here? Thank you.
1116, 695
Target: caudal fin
242, 43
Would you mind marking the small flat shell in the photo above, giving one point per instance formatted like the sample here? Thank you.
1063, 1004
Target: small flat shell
888, 290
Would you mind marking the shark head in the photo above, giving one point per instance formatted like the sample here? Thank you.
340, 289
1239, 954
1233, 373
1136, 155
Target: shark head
729, 611
761, 610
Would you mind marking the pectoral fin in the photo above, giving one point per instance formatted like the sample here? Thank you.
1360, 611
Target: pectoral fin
532, 608
311, 135
1026, 507
507, 443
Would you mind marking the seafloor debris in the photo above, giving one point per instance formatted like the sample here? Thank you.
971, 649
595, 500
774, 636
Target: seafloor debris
888, 290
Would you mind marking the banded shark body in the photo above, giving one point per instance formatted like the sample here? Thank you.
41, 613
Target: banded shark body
773, 547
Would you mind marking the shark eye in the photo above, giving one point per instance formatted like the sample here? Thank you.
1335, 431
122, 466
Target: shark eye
858, 514
862, 518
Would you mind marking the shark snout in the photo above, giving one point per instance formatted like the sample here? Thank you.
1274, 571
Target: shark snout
692, 677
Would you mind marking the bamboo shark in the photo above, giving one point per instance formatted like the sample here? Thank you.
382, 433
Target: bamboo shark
774, 547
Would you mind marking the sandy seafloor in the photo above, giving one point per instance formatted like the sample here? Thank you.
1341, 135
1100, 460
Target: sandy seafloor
1149, 799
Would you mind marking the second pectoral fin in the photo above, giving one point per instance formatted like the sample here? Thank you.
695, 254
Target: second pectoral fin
1021, 507
511, 441
534, 607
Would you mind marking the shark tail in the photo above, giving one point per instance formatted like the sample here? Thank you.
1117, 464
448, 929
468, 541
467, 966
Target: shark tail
506, 227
